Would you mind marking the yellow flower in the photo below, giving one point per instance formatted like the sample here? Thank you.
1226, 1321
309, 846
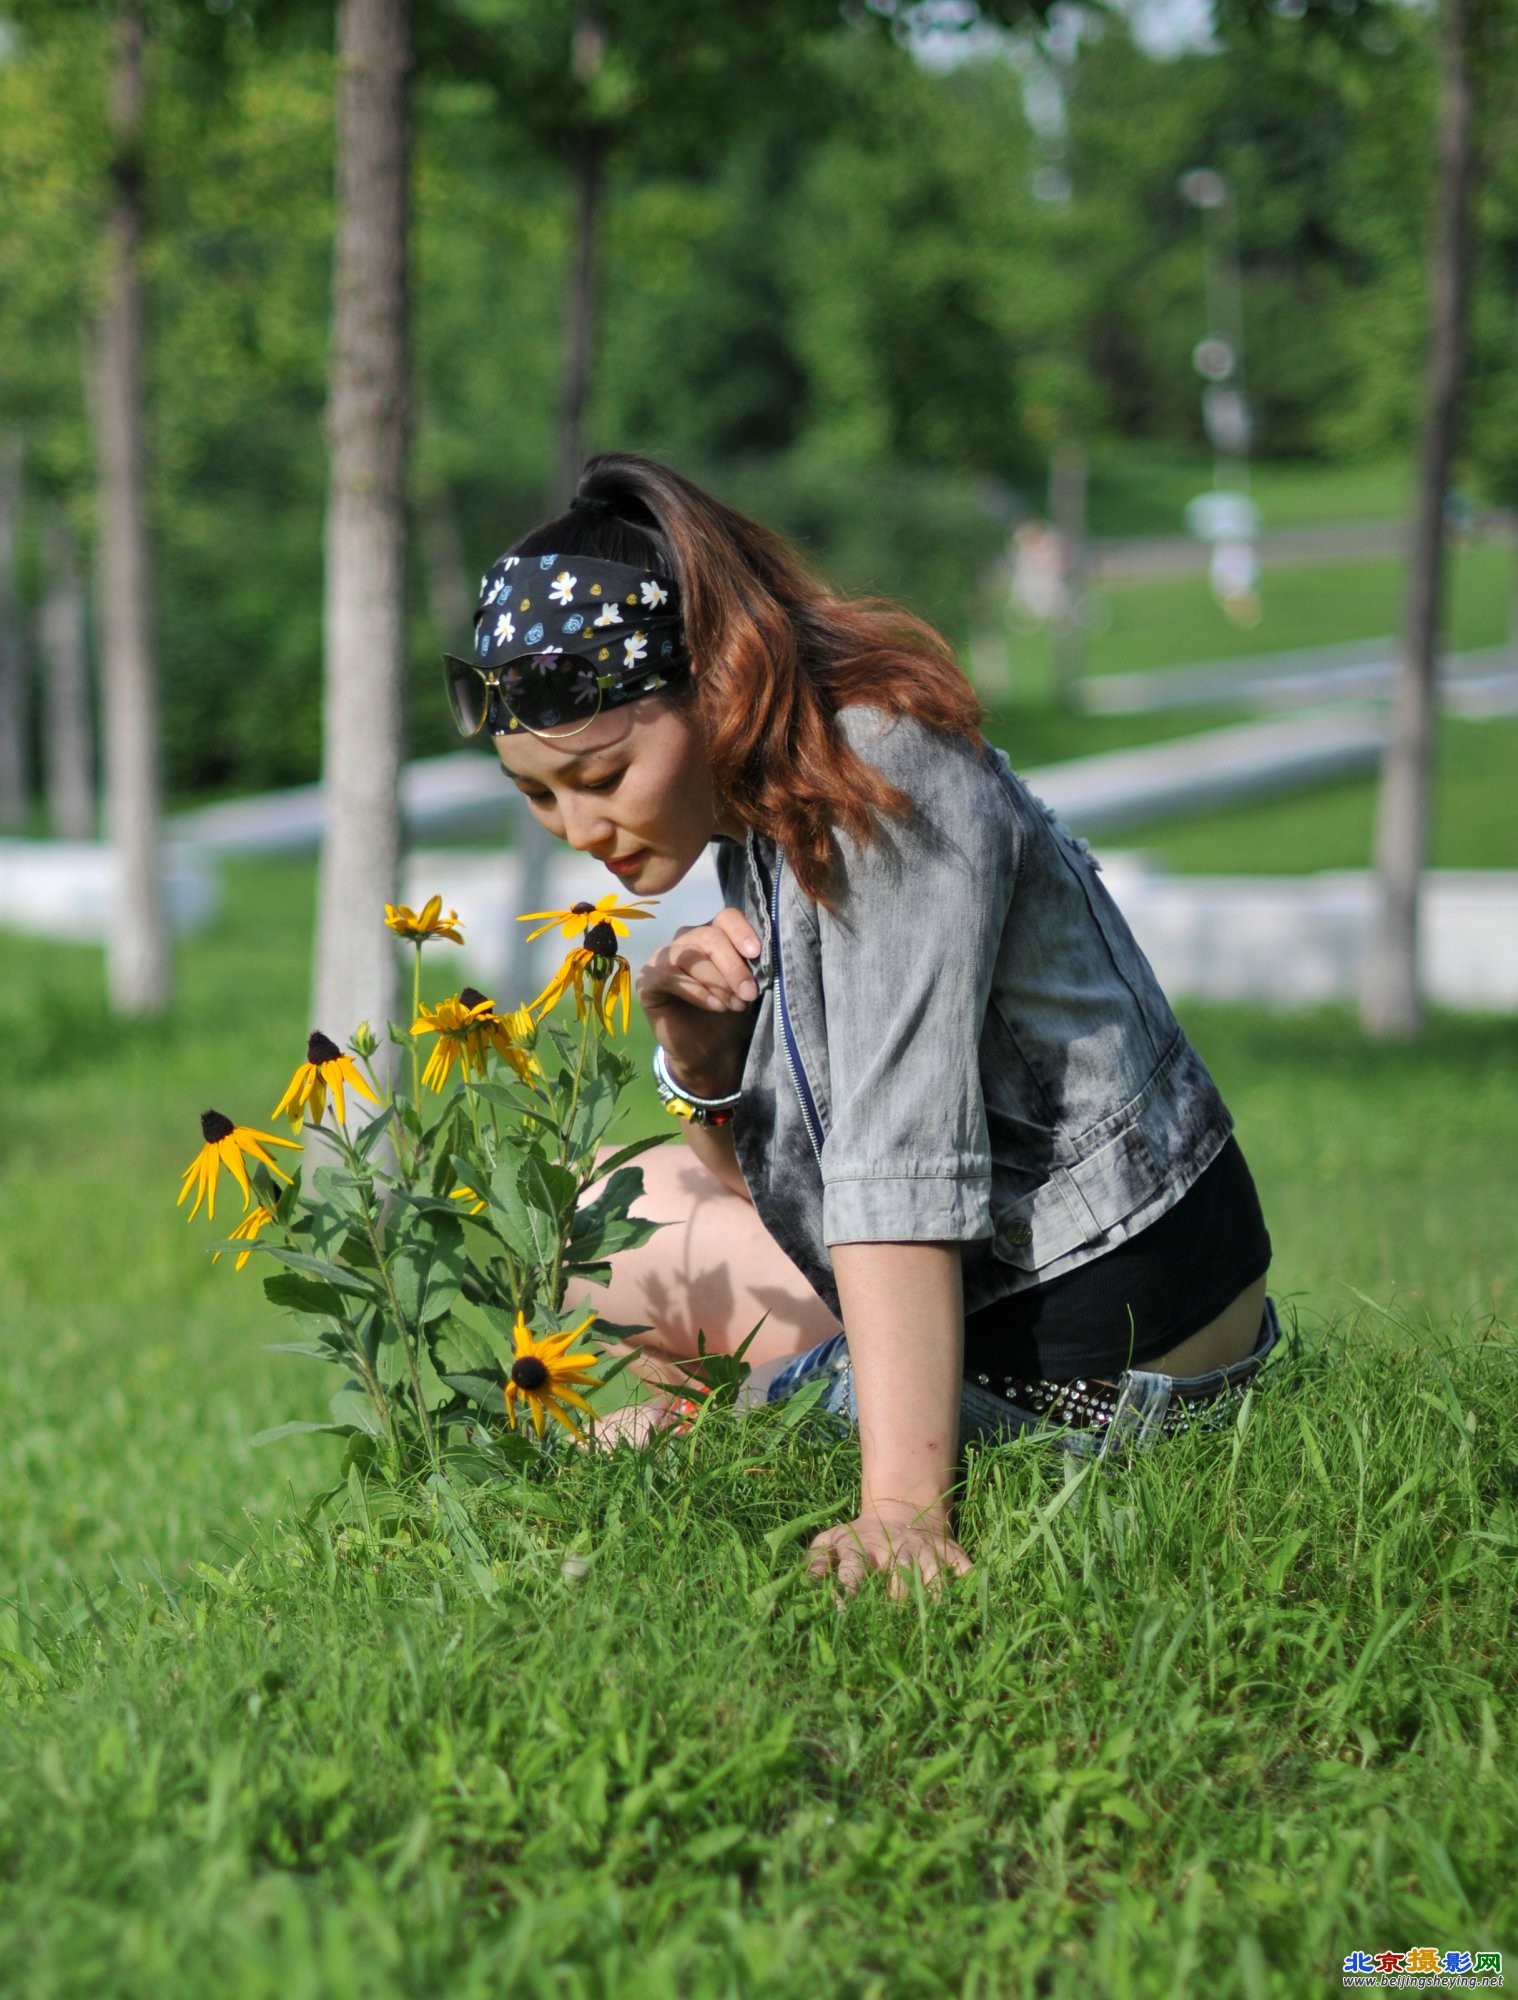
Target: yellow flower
325, 1068
510, 1035
429, 922
467, 1025
580, 916
595, 968
476, 1206
246, 1231
543, 1375
226, 1145
457, 1025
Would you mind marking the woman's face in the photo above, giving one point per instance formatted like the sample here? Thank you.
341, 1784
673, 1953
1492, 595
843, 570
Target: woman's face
634, 790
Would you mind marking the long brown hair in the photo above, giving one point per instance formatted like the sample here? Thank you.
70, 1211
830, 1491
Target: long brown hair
777, 653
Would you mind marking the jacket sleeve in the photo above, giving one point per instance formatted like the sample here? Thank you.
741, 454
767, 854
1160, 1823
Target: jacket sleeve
907, 965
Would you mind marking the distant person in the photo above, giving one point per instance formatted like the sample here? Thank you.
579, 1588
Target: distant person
1042, 564
943, 1129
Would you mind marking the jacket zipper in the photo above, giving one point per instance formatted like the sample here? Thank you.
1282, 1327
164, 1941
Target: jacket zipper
793, 1060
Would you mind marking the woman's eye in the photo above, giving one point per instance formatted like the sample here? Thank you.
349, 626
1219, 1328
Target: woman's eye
605, 784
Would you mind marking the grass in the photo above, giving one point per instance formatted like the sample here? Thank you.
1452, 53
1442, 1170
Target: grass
1208, 1722
1173, 621
1332, 826
1138, 491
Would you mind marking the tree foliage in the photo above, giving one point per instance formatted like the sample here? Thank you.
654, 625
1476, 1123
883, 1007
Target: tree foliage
840, 283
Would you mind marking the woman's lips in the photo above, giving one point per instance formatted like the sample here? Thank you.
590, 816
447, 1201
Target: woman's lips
628, 863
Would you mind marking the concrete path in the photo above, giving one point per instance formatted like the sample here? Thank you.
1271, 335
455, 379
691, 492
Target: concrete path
1476, 684
1302, 940
464, 792
1143, 558
1221, 767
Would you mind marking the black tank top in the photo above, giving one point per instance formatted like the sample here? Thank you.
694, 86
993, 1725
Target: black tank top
1138, 1300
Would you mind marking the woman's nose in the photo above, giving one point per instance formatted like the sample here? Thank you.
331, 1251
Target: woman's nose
586, 825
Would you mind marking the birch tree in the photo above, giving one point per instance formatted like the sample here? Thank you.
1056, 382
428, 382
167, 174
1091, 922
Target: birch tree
68, 747
363, 621
137, 948
1391, 1002
15, 761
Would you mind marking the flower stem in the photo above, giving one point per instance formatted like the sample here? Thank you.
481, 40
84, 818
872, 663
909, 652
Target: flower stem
416, 1014
403, 1336
574, 1094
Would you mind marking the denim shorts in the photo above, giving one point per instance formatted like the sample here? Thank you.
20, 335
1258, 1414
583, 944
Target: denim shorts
1144, 1397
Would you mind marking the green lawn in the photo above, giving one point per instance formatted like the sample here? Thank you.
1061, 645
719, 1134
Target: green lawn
1173, 621
1208, 1722
1332, 826
1138, 491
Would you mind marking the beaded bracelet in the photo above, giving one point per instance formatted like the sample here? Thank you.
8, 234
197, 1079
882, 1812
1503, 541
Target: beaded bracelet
683, 1103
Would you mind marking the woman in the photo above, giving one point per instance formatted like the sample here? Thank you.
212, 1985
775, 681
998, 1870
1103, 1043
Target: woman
934, 1095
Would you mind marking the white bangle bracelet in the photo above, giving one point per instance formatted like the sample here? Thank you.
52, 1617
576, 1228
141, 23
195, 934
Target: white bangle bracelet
668, 1087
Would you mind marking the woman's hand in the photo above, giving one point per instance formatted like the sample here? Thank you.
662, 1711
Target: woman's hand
698, 992
890, 1541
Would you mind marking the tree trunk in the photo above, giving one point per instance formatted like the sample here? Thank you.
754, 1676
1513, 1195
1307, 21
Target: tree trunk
587, 57
67, 734
1067, 510
67, 721
1391, 1004
15, 720
364, 619
137, 947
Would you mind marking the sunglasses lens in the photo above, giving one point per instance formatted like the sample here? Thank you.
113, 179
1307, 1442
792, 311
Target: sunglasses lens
547, 694
468, 696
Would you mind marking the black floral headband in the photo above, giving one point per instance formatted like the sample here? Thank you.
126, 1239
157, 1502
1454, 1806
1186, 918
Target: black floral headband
562, 637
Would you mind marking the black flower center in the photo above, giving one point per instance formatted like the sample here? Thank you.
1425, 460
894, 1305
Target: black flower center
529, 1372
319, 1049
215, 1126
581, 909
601, 940
473, 997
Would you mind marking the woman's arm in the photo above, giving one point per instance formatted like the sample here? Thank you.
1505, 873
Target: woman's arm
713, 1147
698, 994
903, 1311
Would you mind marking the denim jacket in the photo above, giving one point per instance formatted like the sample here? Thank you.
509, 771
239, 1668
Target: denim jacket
971, 1049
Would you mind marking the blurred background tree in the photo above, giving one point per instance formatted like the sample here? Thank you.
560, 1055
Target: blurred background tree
860, 288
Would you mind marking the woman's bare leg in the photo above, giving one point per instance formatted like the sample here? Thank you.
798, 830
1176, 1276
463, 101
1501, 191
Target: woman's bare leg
714, 1269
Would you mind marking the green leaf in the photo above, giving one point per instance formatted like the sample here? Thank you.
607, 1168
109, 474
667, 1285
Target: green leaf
605, 1225
314, 1350
612, 1329
290, 1430
551, 1190
620, 1159
479, 1389
341, 1190
593, 1274
513, 1224
389, 1361
458, 1346
802, 1403
520, 1101
803, 1524
435, 1391
337, 1275
593, 1113
459, 1534
297, 1293
352, 1407
370, 1136
426, 1270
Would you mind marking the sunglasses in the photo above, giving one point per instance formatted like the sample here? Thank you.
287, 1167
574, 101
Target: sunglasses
547, 694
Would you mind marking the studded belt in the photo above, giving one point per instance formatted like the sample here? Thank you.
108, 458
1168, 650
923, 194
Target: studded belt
1087, 1405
